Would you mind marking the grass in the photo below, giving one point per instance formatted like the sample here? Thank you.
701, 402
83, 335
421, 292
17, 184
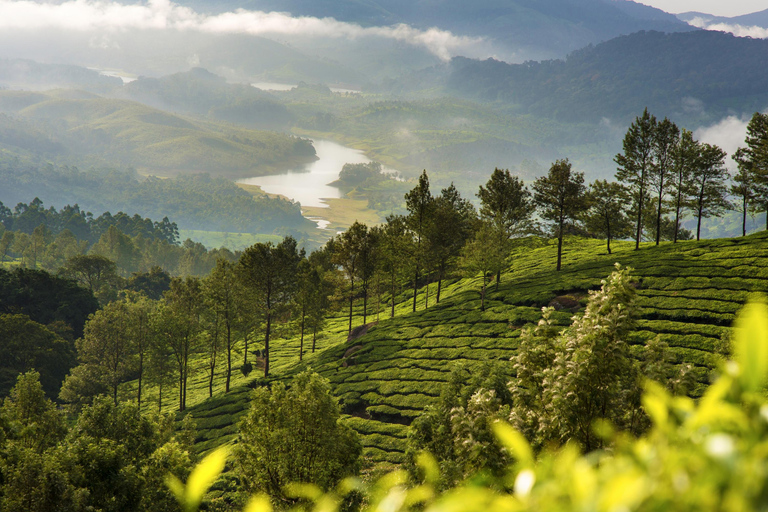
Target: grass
688, 294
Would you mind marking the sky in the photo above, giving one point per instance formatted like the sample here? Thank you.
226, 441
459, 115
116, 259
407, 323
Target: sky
716, 7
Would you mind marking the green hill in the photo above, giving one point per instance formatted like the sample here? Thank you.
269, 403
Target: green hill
688, 295
125, 133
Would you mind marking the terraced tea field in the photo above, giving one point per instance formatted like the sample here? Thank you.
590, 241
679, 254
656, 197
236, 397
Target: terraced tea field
688, 293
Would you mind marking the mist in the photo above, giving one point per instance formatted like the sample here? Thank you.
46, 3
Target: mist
735, 29
112, 18
729, 134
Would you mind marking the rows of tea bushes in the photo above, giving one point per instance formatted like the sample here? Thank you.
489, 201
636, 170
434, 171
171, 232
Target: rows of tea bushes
688, 295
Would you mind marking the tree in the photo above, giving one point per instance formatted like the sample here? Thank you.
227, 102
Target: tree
561, 197
294, 435
458, 431
107, 346
709, 179
395, 248
635, 163
349, 253
26, 346
607, 216
95, 272
6, 243
153, 283
593, 374
482, 254
418, 201
270, 272
506, 203
31, 419
744, 185
756, 154
223, 295
665, 141
177, 326
118, 247
452, 224
684, 157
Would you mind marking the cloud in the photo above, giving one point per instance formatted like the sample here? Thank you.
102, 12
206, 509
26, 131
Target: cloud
754, 31
96, 15
729, 134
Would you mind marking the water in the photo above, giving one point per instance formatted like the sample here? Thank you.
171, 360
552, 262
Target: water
309, 185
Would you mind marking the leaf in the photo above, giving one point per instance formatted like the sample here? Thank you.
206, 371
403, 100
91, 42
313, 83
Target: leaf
751, 345
258, 503
204, 475
514, 442
429, 465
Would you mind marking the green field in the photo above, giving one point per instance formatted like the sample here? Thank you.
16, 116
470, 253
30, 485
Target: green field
688, 295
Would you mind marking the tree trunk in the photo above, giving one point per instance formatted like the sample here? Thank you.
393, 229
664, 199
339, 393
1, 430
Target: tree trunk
439, 283
266, 343
744, 218
365, 304
301, 343
658, 215
394, 286
314, 338
482, 295
416, 289
677, 210
351, 295
560, 245
608, 232
701, 207
639, 218
141, 374
426, 295
229, 357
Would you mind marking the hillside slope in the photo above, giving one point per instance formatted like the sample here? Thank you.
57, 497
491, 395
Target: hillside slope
90, 128
688, 296
693, 76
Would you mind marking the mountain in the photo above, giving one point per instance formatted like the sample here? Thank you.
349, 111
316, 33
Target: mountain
527, 28
28, 74
201, 93
84, 129
755, 19
691, 76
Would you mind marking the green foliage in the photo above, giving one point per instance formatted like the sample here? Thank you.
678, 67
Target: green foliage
294, 435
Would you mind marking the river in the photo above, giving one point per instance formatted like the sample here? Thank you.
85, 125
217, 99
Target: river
309, 185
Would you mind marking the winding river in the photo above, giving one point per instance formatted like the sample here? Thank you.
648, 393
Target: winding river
309, 185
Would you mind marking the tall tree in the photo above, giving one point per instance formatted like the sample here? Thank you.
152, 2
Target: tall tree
684, 158
419, 203
665, 140
223, 296
635, 163
178, 327
743, 187
709, 179
756, 153
270, 272
395, 247
506, 203
607, 216
348, 254
483, 255
452, 224
560, 196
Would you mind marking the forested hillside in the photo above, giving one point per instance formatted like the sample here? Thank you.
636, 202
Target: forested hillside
77, 127
699, 76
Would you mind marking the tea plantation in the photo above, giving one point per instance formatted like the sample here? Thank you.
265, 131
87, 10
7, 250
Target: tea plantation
688, 293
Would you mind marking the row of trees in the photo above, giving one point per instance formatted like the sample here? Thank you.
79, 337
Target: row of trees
83, 225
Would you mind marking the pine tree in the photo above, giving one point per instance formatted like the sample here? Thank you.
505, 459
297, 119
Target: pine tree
561, 197
665, 140
709, 179
607, 216
635, 164
419, 203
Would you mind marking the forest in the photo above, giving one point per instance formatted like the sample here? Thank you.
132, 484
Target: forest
109, 325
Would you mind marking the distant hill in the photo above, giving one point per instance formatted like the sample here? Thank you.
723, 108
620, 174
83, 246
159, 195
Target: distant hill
755, 19
27, 74
82, 128
693, 76
532, 27
202, 93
